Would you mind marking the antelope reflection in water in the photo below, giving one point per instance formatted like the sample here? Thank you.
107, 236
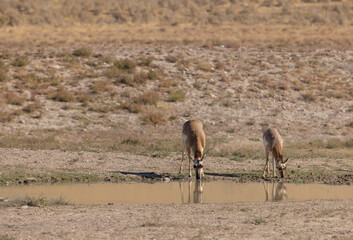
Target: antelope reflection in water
279, 192
197, 194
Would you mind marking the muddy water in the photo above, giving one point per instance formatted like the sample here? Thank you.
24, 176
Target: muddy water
181, 192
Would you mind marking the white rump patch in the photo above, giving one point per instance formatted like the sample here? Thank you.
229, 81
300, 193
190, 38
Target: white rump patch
265, 142
185, 137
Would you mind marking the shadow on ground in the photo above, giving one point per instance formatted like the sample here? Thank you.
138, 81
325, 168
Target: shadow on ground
151, 175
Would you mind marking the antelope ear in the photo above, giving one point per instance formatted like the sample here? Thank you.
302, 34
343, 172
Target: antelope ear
285, 160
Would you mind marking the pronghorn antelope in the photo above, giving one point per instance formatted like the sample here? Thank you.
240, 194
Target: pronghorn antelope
194, 145
273, 142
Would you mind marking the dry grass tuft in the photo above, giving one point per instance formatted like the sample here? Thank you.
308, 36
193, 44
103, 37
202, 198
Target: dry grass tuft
3, 75
20, 62
6, 116
149, 98
14, 99
125, 64
171, 59
131, 107
101, 86
176, 96
30, 108
155, 117
112, 72
310, 97
145, 61
82, 52
62, 94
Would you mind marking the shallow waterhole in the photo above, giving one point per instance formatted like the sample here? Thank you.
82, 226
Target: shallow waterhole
180, 192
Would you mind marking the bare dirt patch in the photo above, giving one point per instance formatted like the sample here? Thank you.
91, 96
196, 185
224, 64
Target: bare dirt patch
299, 220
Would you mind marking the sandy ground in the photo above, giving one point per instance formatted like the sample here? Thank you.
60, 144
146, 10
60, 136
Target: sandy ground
271, 220
106, 165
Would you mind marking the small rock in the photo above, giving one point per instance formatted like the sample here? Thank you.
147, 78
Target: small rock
2, 199
24, 207
166, 179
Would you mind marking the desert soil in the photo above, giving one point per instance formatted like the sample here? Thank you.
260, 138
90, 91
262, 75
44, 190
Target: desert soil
270, 220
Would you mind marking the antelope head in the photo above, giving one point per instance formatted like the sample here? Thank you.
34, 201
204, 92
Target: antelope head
198, 166
281, 166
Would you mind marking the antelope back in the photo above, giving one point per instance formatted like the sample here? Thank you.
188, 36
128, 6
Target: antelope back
194, 136
272, 140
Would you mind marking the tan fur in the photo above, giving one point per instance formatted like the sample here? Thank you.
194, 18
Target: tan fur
194, 144
273, 143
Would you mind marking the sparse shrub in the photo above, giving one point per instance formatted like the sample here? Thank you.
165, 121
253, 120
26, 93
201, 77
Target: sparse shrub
152, 75
83, 97
14, 99
100, 86
30, 108
125, 64
227, 102
197, 85
131, 141
176, 96
220, 65
204, 66
171, 59
150, 98
6, 116
349, 143
127, 79
167, 83
102, 108
20, 62
34, 202
225, 78
62, 95
112, 72
250, 123
145, 61
131, 107
82, 52
140, 78
309, 97
155, 117
5, 55
3, 76
350, 124
283, 86
6, 237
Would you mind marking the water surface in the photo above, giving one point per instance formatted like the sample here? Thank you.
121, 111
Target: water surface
181, 192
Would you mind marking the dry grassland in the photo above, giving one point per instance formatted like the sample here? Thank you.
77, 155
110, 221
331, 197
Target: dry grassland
79, 75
